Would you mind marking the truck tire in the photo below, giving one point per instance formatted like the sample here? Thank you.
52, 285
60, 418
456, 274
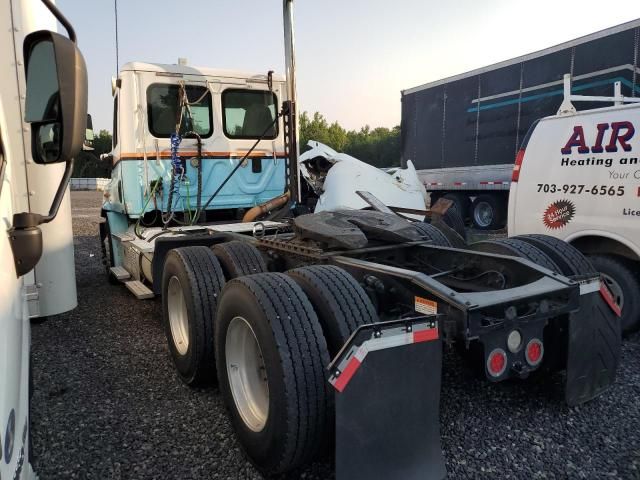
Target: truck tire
340, 302
517, 248
271, 357
488, 212
453, 220
623, 284
455, 240
238, 259
430, 232
569, 259
461, 202
192, 279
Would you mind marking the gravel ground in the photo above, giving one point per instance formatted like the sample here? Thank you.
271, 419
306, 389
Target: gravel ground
107, 403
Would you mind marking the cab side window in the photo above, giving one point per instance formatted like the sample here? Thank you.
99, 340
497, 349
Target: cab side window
163, 110
249, 114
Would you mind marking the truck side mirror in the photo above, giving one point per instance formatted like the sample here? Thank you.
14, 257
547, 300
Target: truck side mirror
56, 103
56, 108
88, 136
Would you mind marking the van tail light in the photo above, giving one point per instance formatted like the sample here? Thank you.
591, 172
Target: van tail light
497, 362
534, 352
515, 176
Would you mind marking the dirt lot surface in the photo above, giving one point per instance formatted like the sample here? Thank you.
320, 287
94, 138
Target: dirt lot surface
107, 403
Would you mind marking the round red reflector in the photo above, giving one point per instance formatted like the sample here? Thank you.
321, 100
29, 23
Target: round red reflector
497, 362
534, 352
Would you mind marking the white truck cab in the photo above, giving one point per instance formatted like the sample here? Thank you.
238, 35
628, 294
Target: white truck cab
43, 114
227, 112
577, 178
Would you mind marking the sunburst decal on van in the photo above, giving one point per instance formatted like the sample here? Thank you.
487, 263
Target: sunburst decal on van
558, 214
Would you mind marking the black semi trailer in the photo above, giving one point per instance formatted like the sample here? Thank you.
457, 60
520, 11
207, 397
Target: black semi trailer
462, 133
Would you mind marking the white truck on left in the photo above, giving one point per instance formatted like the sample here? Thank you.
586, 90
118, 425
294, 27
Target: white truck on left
43, 114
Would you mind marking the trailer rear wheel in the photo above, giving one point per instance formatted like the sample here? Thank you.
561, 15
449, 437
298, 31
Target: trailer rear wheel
569, 259
487, 212
430, 232
461, 202
271, 357
239, 258
517, 248
341, 303
191, 281
623, 285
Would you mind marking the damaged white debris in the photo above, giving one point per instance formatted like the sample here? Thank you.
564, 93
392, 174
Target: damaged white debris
336, 177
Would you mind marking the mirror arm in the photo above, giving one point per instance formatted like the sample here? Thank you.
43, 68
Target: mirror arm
25, 237
62, 188
62, 19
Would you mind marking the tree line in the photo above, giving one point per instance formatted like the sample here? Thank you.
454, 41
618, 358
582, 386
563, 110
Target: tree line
379, 146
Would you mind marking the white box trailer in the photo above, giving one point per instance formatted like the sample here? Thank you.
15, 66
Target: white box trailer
463, 132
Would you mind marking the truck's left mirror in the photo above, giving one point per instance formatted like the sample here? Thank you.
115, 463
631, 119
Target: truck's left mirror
56, 103
89, 135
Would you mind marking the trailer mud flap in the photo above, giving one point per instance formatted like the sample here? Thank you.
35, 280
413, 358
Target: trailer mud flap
387, 396
595, 342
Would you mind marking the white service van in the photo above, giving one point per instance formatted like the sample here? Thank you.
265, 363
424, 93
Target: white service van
577, 177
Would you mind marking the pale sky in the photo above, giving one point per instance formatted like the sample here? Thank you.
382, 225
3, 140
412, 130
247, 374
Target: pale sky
353, 57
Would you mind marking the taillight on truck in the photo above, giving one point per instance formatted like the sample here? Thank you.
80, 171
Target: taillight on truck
516, 166
497, 362
534, 352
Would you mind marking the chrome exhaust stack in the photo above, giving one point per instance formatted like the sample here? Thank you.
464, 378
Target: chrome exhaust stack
289, 49
289, 108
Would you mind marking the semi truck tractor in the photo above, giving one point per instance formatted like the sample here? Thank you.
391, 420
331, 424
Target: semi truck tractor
462, 133
43, 113
324, 324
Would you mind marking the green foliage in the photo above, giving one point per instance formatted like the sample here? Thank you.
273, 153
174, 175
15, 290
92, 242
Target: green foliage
88, 163
379, 147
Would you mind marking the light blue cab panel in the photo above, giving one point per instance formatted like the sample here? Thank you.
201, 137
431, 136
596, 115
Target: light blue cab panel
257, 181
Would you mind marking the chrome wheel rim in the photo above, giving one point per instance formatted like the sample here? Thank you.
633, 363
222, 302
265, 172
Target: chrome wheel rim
483, 214
615, 289
247, 374
178, 318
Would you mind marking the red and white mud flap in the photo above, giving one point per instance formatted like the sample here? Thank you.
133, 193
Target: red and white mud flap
387, 395
594, 344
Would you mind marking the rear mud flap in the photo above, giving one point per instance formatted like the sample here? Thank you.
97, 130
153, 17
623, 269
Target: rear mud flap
594, 349
387, 397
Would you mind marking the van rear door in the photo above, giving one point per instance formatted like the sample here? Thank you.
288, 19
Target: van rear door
580, 174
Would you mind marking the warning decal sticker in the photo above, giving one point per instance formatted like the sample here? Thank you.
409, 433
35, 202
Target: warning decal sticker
428, 307
558, 214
